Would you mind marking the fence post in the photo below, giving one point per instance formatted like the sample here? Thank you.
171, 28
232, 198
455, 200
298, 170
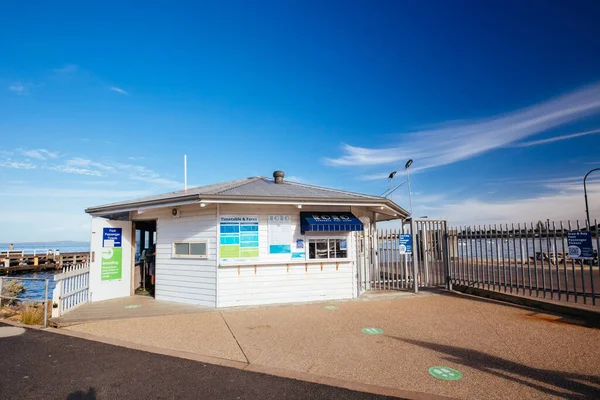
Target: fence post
446, 257
56, 298
46, 305
415, 256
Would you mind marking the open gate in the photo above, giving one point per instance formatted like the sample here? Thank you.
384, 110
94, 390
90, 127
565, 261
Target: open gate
383, 263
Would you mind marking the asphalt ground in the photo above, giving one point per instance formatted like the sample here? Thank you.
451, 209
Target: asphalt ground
44, 365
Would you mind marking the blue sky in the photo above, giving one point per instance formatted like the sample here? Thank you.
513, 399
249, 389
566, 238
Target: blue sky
497, 103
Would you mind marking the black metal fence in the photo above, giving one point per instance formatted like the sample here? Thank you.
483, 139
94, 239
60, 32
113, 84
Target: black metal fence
525, 259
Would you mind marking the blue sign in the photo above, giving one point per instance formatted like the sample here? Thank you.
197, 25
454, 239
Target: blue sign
343, 244
280, 249
405, 243
580, 245
299, 255
300, 243
111, 237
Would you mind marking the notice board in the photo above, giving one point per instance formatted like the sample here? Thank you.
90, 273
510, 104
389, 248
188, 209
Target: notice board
281, 234
238, 236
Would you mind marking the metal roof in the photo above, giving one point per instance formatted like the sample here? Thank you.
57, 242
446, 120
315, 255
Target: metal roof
253, 188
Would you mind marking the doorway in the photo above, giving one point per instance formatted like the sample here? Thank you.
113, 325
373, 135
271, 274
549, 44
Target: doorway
145, 257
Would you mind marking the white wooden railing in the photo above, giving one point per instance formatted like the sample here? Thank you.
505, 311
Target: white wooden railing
72, 289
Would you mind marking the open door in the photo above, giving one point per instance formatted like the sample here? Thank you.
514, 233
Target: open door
110, 265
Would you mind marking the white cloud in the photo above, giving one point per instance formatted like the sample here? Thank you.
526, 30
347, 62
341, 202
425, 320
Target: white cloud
452, 142
555, 139
8, 163
43, 226
40, 154
83, 162
29, 191
143, 174
560, 199
19, 88
74, 170
118, 90
67, 69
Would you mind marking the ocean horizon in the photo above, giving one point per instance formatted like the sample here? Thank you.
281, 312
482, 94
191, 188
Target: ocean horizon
64, 246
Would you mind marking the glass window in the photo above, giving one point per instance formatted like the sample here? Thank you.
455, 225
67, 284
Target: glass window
182, 249
327, 248
190, 249
197, 249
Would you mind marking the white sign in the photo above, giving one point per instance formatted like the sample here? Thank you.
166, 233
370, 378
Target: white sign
281, 235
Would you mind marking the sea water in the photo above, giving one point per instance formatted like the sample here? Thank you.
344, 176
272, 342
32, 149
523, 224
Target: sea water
35, 290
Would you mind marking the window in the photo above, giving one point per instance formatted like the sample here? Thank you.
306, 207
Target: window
190, 249
327, 248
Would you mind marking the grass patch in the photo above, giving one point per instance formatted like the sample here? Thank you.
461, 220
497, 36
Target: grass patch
33, 315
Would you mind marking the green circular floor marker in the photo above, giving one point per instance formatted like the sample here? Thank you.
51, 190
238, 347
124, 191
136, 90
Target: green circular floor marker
445, 373
372, 331
133, 306
331, 307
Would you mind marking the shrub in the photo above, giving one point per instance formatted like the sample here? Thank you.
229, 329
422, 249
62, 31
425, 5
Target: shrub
33, 315
12, 288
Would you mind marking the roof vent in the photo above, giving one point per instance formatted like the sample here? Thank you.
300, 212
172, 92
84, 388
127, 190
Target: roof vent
278, 176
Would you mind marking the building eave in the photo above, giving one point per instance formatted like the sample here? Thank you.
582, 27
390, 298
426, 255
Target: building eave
392, 208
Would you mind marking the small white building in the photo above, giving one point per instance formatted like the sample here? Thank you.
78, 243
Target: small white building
244, 242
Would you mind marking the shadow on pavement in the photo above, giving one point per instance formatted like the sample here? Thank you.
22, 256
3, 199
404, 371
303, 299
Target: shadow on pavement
81, 395
534, 313
571, 383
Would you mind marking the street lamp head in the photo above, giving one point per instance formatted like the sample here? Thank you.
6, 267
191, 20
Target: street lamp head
392, 175
408, 164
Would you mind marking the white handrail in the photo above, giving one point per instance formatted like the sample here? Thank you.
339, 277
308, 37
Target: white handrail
72, 289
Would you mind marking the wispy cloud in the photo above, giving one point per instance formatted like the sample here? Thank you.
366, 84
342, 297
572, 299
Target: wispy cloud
557, 199
20, 88
452, 142
8, 163
86, 163
39, 154
67, 69
74, 170
555, 139
84, 166
143, 174
118, 90
30, 191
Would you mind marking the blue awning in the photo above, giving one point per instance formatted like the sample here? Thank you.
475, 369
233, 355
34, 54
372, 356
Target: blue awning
329, 222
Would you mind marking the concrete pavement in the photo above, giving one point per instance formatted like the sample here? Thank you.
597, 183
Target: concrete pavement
502, 350
44, 365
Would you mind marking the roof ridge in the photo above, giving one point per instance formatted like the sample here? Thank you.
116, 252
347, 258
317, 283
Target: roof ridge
332, 189
236, 183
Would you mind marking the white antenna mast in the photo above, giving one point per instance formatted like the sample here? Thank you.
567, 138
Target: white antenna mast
184, 173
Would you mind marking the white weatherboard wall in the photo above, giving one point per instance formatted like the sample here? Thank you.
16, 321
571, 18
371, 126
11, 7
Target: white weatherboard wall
277, 279
185, 280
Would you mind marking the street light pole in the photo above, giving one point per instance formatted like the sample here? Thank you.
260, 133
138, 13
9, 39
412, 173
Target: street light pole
406, 166
587, 209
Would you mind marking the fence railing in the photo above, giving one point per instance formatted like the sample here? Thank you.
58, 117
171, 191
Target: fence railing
524, 259
44, 300
72, 289
423, 261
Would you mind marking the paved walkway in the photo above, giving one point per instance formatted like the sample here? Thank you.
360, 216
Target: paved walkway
503, 351
43, 365
125, 308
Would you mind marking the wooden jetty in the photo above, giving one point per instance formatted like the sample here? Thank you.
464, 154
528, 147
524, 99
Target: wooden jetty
24, 262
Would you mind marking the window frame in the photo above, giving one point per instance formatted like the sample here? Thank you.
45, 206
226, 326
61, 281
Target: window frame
315, 238
189, 242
